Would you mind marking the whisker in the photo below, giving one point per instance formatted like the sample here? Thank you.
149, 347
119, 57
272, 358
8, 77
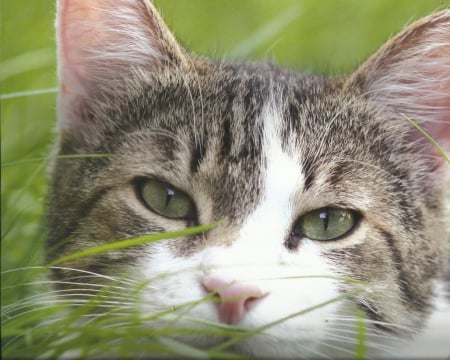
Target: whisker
375, 322
108, 277
354, 331
316, 352
25, 268
89, 318
65, 292
341, 349
70, 301
36, 309
94, 274
43, 282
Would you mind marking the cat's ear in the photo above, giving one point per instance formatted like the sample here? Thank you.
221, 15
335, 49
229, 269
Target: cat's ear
410, 76
103, 41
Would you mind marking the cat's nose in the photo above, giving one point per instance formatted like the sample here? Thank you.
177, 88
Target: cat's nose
234, 299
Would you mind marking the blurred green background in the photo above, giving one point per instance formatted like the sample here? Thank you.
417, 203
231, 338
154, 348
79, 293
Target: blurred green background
329, 36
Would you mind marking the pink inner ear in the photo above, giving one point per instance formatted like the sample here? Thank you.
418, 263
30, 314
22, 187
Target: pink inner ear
410, 75
77, 30
100, 42
431, 109
430, 105
414, 79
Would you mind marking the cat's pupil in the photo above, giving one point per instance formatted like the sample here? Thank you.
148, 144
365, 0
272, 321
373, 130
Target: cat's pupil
170, 194
324, 216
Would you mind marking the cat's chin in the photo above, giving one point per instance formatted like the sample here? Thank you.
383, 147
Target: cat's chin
299, 337
259, 346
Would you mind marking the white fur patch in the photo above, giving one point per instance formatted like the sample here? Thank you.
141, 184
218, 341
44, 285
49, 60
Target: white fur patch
290, 279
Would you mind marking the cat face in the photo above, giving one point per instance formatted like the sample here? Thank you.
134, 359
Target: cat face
328, 197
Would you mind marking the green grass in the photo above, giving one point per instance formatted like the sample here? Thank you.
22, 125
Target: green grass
327, 37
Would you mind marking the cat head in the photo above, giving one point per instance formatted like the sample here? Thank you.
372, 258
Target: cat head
319, 180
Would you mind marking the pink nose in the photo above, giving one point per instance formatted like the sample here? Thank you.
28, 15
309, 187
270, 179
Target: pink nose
235, 299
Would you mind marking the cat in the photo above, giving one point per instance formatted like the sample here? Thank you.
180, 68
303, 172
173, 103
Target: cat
327, 197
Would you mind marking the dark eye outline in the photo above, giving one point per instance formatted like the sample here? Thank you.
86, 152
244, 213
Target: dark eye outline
139, 184
296, 235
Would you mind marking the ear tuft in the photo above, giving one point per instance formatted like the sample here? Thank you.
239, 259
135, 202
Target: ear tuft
410, 75
102, 41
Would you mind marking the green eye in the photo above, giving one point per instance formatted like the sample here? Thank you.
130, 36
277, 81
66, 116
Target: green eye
167, 200
326, 223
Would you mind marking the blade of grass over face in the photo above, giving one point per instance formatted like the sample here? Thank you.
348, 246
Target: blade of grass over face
112, 332
135, 241
429, 138
361, 348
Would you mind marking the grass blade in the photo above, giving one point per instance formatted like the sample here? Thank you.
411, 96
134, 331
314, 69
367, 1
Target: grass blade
134, 242
429, 138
